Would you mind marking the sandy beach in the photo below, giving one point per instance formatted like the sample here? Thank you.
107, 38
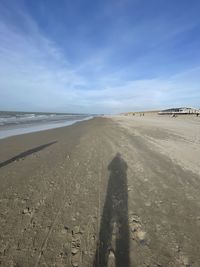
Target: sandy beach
113, 191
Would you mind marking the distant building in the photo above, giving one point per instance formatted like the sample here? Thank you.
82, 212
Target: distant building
181, 111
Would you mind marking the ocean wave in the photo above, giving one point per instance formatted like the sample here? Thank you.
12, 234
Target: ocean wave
12, 118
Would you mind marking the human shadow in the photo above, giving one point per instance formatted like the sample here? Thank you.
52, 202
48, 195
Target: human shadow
114, 228
25, 154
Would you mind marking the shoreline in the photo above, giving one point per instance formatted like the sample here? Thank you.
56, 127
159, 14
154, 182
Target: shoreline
8, 131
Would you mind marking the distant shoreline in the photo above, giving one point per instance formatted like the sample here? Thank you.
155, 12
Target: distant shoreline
38, 112
23, 125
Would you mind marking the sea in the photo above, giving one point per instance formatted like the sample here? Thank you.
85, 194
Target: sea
16, 123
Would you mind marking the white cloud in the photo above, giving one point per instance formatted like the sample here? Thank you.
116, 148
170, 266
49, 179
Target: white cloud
36, 75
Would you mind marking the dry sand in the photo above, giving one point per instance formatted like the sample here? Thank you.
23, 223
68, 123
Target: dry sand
119, 191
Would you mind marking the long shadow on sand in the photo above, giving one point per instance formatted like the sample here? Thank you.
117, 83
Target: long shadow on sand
114, 229
25, 154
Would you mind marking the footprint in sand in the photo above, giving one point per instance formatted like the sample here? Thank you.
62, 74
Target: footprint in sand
137, 232
76, 252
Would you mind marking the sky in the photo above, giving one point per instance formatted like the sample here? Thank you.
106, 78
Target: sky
99, 56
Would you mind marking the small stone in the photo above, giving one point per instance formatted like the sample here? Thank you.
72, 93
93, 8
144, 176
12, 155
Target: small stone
185, 260
141, 236
26, 211
74, 251
135, 227
76, 230
135, 218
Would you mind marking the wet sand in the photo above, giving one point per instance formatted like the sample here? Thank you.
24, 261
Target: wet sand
116, 191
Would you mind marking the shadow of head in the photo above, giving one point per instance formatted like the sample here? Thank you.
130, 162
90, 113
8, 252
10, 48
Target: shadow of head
118, 164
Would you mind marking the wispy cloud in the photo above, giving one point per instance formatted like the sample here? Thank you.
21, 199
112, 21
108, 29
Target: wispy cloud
34, 71
135, 66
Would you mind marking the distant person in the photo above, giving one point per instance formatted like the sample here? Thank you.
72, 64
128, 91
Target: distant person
174, 116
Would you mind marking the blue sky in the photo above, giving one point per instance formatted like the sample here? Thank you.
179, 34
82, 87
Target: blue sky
99, 56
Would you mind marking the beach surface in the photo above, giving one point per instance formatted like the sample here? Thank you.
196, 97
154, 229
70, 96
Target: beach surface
112, 191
